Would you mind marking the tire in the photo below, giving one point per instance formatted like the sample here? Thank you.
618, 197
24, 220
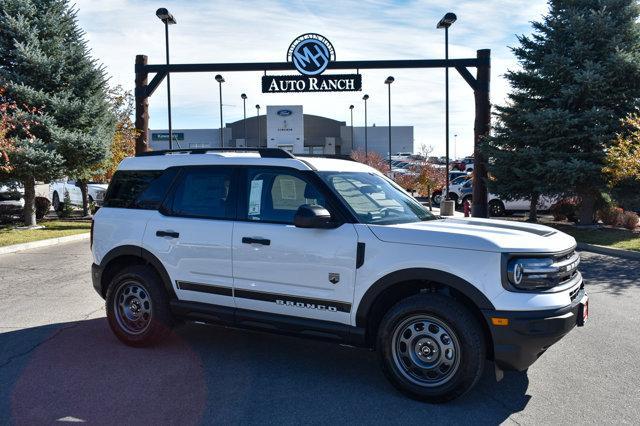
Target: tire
437, 327
436, 198
57, 205
496, 208
138, 307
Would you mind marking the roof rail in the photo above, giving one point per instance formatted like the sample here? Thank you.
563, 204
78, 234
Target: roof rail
264, 152
332, 156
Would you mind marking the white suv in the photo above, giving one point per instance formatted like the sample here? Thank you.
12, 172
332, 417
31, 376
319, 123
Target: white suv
329, 249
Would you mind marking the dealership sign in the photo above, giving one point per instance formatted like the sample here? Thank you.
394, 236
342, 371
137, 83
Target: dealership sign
311, 54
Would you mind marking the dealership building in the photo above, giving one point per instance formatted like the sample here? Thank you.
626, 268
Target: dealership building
287, 127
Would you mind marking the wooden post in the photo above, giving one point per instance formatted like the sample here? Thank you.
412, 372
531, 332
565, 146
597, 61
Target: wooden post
481, 130
142, 106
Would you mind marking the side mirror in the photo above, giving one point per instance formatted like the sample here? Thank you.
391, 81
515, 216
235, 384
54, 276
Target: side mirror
313, 216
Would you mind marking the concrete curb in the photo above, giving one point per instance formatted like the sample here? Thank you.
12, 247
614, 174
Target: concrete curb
43, 243
625, 254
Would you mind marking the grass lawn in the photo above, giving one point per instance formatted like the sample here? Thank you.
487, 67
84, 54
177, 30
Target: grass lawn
52, 229
615, 238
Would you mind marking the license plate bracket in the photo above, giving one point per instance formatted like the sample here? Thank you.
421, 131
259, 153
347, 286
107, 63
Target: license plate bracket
583, 311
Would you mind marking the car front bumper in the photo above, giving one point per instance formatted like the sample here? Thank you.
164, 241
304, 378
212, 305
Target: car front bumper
530, 333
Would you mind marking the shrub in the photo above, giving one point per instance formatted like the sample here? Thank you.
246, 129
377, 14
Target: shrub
630, 220
611, 216
565, 209
42, 207
67, 208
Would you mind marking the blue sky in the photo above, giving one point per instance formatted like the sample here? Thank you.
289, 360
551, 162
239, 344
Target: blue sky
261, 30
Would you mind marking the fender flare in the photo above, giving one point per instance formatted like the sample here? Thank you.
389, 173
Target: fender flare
147, 256
422, 274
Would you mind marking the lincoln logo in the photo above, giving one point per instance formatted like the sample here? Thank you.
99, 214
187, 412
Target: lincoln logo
311, 54
285, 112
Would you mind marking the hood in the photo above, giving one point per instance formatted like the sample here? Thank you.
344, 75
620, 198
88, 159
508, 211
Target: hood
477, 234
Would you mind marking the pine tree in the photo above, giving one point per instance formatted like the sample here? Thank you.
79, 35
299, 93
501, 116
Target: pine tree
579, 77
45, 63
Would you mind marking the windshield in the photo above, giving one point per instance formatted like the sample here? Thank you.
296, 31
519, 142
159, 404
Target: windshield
375, 199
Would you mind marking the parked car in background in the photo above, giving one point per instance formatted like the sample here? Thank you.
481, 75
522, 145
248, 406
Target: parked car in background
59, 190
11, 199
500, 207
455, 184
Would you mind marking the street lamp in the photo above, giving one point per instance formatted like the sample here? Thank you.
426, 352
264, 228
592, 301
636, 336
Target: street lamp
445, 23
168, 19
351, 109
258, 121
455, 146
220, 80
244, 109
366, 150
388, 82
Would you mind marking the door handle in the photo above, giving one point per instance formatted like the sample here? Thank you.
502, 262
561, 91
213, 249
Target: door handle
262, 241
170, 234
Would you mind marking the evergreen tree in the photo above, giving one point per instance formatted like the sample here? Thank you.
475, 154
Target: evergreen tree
579, 76
45, 62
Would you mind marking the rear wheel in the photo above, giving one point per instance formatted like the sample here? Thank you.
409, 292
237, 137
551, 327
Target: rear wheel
431, 348
138, 307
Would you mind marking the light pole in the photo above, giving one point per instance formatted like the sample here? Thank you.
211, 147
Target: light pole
445, 23
388, 82
220, 80
168, 19
351, 109
244, 109
258, 122
366, 148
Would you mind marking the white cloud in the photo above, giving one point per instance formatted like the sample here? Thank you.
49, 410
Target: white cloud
261, 31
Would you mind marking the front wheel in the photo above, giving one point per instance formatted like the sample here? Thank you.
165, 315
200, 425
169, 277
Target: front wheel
138, 307
431, 348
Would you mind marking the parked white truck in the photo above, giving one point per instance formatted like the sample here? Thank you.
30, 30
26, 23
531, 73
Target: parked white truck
59, 190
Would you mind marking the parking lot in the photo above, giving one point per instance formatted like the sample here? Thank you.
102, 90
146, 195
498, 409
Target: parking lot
59, 361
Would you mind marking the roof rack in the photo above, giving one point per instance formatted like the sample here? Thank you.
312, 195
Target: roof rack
264, 152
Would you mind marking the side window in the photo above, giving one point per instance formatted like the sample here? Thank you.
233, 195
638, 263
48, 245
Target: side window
204, 192
275, 196
127, 185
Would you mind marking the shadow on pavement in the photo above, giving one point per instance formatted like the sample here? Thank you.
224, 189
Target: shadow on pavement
206, 374
611, 274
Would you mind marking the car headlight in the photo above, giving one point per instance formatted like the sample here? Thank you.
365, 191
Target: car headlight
541, 273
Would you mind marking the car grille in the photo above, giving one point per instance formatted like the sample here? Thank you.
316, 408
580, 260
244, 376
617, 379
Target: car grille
567, 266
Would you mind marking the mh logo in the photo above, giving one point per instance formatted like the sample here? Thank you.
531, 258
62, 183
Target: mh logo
311, 54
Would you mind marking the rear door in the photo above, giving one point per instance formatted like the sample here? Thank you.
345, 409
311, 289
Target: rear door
282, 269
191, 234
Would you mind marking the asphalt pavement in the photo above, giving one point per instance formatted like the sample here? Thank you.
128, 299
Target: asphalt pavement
60, 362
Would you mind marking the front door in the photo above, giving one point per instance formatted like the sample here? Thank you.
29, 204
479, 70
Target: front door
192, 235
282, 269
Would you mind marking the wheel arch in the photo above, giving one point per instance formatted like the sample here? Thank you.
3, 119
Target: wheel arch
122, 256
393, 287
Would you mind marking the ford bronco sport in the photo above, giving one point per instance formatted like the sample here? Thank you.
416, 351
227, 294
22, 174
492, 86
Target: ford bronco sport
330, 249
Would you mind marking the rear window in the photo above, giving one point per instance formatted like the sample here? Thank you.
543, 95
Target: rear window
139, 189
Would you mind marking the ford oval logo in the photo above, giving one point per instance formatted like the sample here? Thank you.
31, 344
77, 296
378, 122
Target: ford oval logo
284, 112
